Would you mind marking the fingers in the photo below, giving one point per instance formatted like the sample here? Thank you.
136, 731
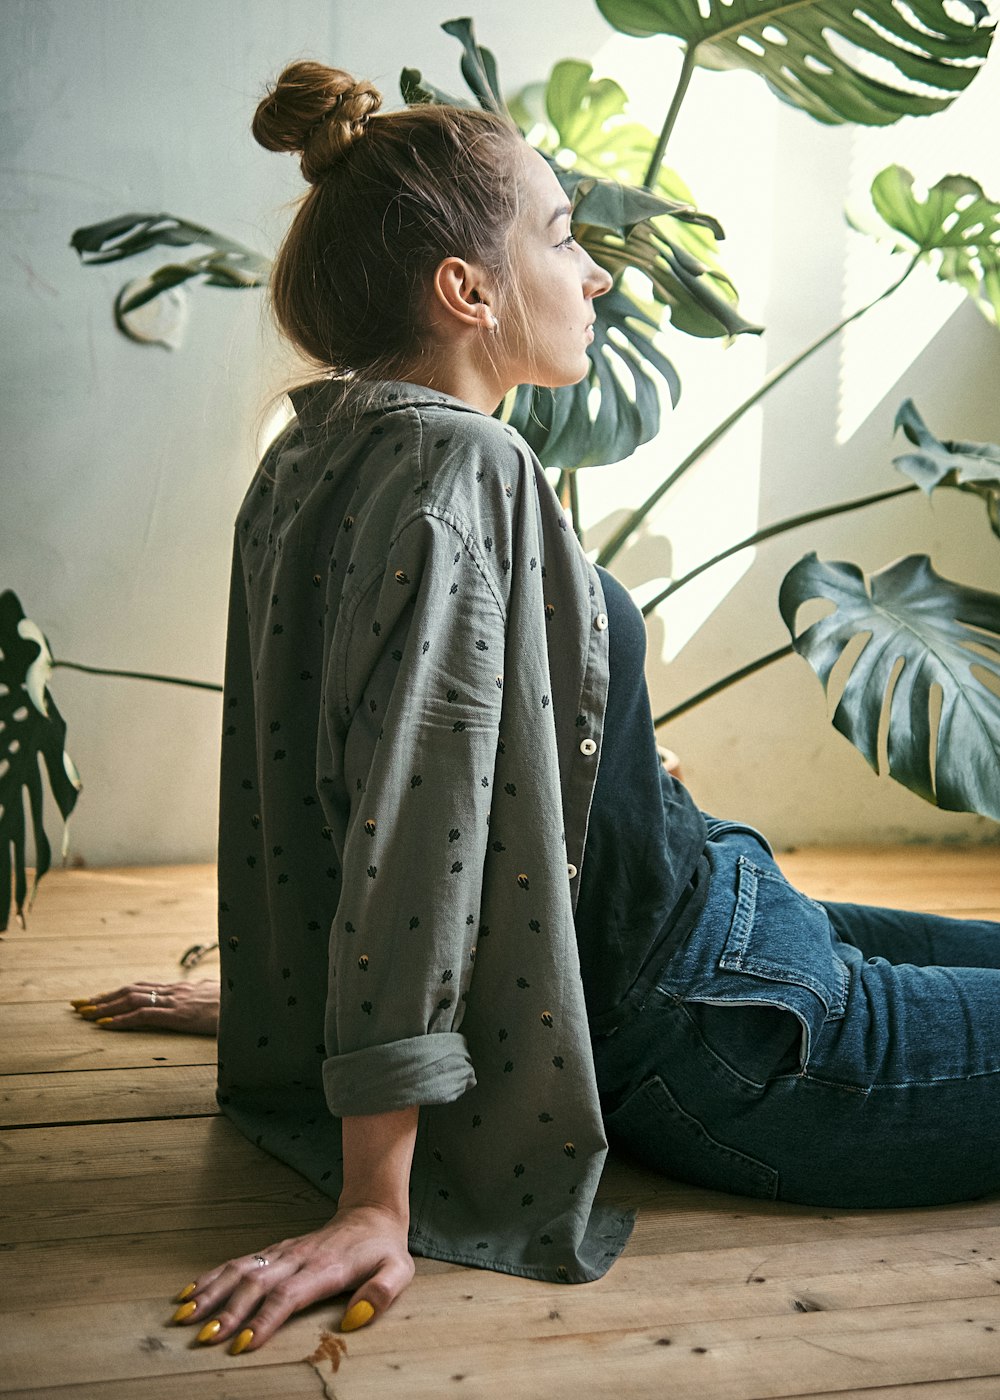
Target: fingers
147, 1018
305, 1286
250, 1277
192, 1007
245, 1296
125, 999
290, 1296
245, 1302
358, 1313
90, 1007
379, 1293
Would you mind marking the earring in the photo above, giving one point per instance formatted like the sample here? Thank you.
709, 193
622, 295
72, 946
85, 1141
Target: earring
491, 322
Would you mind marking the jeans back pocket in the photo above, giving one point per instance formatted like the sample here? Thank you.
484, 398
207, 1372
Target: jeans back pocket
778, 951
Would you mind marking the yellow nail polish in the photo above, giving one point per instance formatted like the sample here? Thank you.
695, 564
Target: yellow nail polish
185, 1293
241, 1342
357, 1316
209, 1330
77, 1002
87, 1010
104, 1021
184, 1311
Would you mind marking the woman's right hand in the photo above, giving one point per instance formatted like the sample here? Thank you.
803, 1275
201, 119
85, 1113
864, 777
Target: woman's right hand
191, 1008
363, 1248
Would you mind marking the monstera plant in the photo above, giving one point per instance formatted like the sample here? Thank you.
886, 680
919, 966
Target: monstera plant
932, 652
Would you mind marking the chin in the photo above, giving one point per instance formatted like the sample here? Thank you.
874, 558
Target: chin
567, 377
558, 376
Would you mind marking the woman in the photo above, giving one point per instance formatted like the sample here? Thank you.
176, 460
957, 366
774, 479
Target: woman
432, 1004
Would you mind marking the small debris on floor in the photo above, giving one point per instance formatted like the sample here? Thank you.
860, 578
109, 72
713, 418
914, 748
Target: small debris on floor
331, 1348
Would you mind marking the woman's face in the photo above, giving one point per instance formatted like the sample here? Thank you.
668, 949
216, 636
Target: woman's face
557, 281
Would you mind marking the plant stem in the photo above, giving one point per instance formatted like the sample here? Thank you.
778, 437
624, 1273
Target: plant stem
724, 684
633, 521
136, 675
779, 528
687, 69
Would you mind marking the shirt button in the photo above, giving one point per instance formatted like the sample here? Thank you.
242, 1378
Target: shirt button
588, 746
571, 871
601, 621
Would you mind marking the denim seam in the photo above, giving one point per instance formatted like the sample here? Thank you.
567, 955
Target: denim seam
817, 1079
931, 1083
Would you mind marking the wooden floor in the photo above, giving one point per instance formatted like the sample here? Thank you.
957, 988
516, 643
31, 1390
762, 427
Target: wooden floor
119, 1182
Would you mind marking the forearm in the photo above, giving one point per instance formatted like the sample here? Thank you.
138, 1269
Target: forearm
378, 1153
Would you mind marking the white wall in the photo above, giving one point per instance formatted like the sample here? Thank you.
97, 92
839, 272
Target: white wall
123, 466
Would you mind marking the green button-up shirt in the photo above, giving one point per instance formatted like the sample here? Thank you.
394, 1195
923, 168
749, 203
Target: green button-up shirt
416, 682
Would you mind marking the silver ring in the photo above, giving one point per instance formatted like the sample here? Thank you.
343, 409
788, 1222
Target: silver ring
260, 1261
152, 998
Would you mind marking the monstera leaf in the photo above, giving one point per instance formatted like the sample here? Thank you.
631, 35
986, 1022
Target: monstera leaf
30, 727
956, 229
479, 69
821, 55
947, 637
582, 125
230, 264
967, 466
559, 423
700, 301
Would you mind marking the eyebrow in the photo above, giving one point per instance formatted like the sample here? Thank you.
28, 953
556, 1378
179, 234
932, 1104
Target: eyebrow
563, 209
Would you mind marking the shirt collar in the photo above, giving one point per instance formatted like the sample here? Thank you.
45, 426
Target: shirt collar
318, 403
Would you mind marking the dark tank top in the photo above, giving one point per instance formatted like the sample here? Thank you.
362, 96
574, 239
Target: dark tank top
644, 878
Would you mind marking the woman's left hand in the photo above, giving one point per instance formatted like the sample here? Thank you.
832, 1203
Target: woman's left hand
363, 1247
192, 1008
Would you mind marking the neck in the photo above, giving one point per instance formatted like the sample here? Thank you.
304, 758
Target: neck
463, 371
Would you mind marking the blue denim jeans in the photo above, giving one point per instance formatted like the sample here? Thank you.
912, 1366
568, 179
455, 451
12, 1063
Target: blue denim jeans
828, 1054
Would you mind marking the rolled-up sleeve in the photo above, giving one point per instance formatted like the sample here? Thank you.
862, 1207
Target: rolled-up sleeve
422, 676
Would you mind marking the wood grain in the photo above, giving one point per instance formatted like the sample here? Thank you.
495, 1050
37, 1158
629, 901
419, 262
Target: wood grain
45, 1036
244, 1380
772, 1354
166, 1091
120, 1182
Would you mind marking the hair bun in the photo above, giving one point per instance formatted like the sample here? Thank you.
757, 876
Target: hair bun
316, 110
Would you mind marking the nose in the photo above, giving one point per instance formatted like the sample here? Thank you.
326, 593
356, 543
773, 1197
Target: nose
597, 281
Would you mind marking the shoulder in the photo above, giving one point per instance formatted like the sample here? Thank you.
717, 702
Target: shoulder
471, 467
475, 473
451, 439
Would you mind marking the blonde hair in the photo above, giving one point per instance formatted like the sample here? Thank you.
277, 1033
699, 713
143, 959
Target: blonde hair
392, 194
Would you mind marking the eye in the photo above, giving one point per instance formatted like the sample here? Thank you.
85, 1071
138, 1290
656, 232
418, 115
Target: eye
566, 242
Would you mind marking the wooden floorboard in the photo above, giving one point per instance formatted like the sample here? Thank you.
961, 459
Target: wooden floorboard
290, 1382
119, 1181
47, 1038
165, 1091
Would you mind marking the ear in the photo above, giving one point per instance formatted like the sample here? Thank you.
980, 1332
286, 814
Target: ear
461, 294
